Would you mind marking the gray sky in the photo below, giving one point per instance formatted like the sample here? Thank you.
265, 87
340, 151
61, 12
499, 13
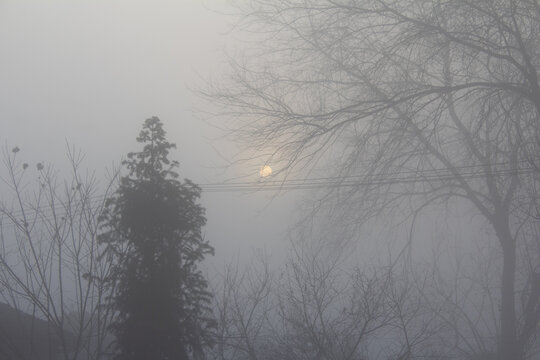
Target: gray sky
90, 73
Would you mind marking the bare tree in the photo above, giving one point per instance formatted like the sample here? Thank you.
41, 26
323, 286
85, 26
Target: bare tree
327, 312
49, 258
243, 302
419, 103
317, 308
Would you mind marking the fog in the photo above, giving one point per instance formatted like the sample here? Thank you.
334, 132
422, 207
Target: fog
399, 219
88, 74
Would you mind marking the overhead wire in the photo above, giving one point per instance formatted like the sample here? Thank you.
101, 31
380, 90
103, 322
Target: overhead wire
400, 177
44, 213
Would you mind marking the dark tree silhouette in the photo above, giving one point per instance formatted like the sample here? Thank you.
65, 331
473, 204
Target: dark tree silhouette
152, 232
414, 104
50, 270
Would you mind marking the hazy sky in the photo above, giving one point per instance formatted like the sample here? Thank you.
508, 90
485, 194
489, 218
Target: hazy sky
90, 73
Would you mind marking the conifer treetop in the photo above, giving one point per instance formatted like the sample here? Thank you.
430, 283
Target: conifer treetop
150, 162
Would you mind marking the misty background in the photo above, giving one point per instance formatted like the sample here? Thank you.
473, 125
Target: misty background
88, 74
85, 75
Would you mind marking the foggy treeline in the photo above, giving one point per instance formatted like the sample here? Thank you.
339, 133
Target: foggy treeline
403, 118
420, 110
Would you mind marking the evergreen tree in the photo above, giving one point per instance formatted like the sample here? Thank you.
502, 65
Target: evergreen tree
152, 232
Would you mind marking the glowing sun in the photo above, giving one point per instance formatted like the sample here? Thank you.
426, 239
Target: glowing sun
265, 171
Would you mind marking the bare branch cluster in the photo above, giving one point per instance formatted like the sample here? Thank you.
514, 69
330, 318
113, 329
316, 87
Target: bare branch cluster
438, 89
49, 262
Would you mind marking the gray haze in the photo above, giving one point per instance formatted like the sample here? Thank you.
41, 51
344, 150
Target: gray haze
89, 73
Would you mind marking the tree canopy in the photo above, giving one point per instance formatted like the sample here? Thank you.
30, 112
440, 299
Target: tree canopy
152, 232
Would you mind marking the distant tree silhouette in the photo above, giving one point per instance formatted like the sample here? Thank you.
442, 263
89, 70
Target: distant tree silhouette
152, 232
413, 105
51, 291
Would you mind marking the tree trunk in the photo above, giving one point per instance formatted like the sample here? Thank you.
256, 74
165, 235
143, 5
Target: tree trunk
508, 346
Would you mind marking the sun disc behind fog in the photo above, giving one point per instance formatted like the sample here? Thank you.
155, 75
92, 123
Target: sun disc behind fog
265, 171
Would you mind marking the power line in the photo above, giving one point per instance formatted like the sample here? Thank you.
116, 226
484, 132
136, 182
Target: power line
468, 172
361, 181
394, 173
